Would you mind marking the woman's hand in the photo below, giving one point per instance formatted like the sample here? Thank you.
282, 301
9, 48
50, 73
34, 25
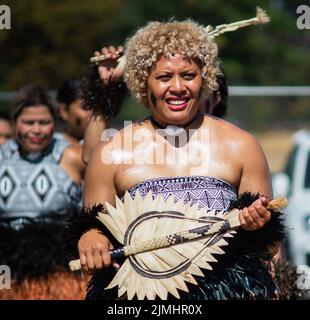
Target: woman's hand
108, 69
94, 251
255, 216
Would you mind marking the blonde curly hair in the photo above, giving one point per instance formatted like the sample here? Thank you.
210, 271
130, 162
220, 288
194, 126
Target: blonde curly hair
158, 39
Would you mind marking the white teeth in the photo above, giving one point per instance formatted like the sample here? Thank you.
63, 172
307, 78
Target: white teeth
176, 102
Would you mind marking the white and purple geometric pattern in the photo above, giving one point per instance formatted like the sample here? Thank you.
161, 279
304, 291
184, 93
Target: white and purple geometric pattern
216, 194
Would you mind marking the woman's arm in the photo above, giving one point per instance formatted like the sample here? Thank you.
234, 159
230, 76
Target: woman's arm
255, 177
72, 163
103, 97
92, 137
98, 188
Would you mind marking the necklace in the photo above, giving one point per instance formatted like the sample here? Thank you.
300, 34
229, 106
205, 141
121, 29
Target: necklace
174, 130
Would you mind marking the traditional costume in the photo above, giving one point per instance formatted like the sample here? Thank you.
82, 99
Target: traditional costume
35, 194
241, 273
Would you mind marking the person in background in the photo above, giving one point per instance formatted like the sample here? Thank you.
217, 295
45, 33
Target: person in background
6, 128
71, 111
216, 102
40, 179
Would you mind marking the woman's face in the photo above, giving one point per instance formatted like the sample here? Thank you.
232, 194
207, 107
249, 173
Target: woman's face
174, 87
34, 128
76, 118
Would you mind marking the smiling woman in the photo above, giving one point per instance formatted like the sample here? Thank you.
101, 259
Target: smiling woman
168, 67
40, 178
34, 128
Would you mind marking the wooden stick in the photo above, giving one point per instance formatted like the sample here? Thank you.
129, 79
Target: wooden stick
260, 18
121, 60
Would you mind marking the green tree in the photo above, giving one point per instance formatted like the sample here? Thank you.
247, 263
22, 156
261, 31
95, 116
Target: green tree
52, 40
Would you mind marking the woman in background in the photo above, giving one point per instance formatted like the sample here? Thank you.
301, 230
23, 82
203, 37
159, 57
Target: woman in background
40, 179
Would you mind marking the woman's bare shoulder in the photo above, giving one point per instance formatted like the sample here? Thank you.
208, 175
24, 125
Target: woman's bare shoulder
73, 153
231, 131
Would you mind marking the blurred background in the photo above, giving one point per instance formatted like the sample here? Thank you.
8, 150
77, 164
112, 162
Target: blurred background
267, 66
51, 41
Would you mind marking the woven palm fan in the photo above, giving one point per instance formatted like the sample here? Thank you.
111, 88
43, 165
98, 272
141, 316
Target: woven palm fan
166, 243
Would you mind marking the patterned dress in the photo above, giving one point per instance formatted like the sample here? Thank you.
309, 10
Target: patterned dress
35, 188
34, 197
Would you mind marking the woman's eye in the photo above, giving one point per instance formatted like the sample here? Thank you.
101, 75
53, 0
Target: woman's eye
163, 78
28, 123
189, 76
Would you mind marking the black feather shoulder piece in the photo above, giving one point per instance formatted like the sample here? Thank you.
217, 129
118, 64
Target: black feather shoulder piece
78, 222
260, 240
104, 101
